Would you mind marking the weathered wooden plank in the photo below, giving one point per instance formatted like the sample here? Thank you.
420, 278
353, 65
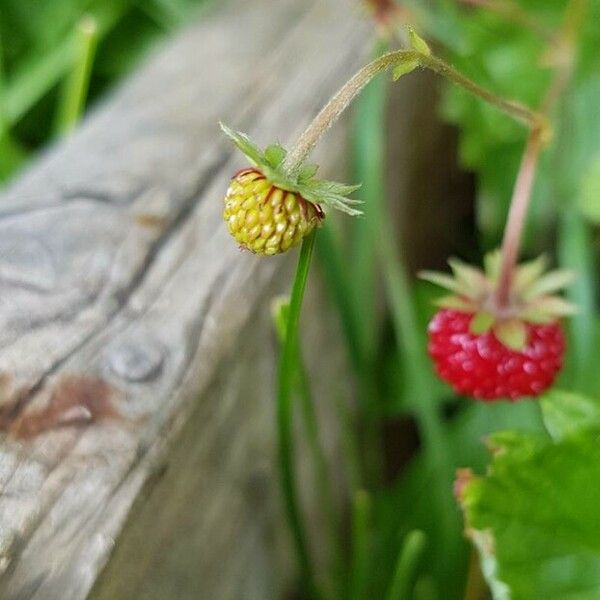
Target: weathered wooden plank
120, 297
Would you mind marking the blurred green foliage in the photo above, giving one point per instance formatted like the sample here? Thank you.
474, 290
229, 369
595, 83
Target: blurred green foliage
38, 49
512, 52
546, 543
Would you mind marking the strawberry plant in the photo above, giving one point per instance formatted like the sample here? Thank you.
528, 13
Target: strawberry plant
522, 87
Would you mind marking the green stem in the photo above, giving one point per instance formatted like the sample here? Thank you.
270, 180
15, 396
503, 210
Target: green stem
361, 517
311, 427
406, 566
285, 385
410, 59
516, 110
77, 83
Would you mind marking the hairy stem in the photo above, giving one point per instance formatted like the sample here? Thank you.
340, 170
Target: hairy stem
516, 110
516, 217
336, 106
344, 96
521, 197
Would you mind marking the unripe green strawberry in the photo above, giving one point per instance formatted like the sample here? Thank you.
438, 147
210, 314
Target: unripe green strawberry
271, 207
264, 218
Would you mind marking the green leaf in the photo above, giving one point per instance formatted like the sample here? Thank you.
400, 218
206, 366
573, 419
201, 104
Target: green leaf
535, 520
565, 413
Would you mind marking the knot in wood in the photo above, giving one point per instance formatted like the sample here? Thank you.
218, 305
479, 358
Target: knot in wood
136, 360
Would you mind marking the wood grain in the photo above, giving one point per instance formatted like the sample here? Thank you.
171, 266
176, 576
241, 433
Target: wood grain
124, 305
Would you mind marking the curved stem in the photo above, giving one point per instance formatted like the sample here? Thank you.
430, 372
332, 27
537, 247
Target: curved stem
516, 110
285, 386
336, 106
524, 184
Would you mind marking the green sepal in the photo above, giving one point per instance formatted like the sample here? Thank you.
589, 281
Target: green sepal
253, 153
270, 162
549, 283
512, 333
442, 279
481, 322
417, 42
471, 280
551, 306
307, 172
528, 272
275, 154
491, 262
404, 68
456, 303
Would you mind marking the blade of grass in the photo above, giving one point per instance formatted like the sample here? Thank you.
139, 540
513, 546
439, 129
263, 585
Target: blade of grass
336, 277
42, 72
361, 519
576, 253
369, 468
11, 153
406, 567
368, 136
77, 83
311, 428
286, 455
436, 448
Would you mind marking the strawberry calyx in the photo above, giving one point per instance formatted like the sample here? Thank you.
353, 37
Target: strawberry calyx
532, 297
269, 162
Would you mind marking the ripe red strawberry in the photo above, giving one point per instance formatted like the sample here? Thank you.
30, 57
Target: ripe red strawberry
268, 208
483, 367
491, 352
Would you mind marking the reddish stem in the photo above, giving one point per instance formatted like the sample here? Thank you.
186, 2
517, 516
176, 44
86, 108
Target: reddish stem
516, 216
538, 136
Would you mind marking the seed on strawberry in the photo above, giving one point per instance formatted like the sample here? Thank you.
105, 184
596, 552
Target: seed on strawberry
483, 367
490, 349
264, 218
